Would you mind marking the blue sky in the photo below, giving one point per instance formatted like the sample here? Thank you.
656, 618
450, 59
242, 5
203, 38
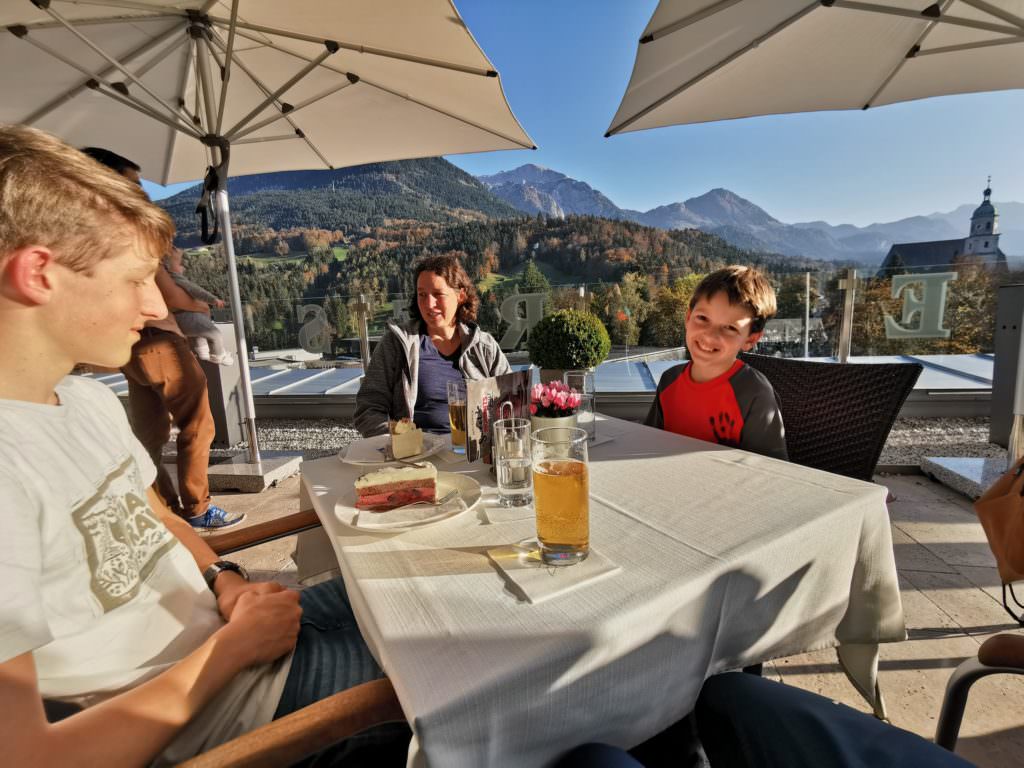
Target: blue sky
564, 65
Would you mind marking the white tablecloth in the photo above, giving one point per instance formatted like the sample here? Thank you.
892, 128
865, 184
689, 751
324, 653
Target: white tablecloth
727, 558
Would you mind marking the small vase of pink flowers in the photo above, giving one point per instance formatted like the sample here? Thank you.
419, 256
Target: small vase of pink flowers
553, 405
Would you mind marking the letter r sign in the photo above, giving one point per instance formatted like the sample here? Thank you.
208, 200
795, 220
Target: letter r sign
926, 308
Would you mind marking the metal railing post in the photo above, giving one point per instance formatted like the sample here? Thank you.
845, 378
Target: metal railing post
849, 286
362, 312
807, 314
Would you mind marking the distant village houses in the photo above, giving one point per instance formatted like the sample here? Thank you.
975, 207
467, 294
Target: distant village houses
980, 245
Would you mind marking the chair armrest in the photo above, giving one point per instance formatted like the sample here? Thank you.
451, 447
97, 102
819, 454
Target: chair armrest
1003, 651
250, 535
307, 731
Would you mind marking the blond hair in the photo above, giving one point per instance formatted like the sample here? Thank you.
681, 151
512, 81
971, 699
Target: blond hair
54, 196
744, 286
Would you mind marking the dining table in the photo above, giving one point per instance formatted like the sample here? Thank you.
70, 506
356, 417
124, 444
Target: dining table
704, 558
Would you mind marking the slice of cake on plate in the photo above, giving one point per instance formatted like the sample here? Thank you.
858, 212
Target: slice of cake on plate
406, 439
395, 486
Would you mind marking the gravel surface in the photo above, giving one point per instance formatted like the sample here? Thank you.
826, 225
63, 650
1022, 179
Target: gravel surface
909, 441
912, 439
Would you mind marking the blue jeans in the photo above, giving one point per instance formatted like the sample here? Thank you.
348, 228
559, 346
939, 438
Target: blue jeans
746, 721
331, 656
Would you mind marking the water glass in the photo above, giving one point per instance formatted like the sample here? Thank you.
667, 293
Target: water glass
580, 380
512, 462
586, 417
561, 494
457, 414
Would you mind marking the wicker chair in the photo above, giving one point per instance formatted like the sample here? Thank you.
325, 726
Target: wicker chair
837, 417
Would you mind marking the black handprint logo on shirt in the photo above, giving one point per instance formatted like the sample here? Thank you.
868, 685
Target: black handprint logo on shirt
724, 429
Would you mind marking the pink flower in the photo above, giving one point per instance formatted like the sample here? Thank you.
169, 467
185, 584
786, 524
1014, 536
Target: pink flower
533, 408
545, 400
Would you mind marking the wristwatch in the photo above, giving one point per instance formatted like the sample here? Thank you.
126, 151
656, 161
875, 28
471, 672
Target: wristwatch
215, 569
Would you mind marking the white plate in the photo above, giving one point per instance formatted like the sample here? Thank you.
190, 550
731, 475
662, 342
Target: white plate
416, 517
369, 451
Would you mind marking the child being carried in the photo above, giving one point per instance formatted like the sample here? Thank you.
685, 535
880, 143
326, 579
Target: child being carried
207, 341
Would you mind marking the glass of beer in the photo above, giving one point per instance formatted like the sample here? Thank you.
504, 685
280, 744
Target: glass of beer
457, 414
561, 494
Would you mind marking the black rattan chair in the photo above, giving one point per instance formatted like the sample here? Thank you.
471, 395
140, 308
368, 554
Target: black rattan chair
837, 417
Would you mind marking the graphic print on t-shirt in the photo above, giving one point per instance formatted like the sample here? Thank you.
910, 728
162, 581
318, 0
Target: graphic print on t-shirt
123, 538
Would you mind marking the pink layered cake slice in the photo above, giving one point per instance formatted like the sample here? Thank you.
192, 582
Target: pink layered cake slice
394, 486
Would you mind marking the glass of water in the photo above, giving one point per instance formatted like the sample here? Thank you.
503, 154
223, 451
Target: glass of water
586, 415
512, 462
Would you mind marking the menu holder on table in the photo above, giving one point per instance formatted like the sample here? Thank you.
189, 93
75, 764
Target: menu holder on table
484, 398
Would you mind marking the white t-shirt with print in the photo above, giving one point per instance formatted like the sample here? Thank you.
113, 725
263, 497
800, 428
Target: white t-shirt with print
92, 583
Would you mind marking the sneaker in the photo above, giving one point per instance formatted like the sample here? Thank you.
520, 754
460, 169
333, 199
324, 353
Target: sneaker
225, 359
214, 519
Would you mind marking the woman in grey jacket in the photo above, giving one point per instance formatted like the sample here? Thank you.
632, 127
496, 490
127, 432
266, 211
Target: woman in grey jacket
411, 366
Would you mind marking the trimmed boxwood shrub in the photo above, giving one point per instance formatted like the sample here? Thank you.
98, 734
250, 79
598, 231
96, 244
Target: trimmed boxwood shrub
568, 339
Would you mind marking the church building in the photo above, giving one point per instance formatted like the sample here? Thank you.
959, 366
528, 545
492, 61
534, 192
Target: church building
942, 255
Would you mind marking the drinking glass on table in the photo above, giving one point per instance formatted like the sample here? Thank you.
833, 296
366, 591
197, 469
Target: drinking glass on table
561, 494
457, 414
586, 414
512, 462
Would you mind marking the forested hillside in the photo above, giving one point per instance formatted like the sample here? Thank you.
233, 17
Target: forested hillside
350, 200
624, 265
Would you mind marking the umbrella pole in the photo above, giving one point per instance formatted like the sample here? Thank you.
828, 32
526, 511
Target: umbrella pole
224, 217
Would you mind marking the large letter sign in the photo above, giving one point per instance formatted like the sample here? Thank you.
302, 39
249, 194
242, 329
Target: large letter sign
315, 335
533, 311
926, 309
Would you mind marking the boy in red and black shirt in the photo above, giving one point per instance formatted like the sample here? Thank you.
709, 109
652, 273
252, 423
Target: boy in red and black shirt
715, 396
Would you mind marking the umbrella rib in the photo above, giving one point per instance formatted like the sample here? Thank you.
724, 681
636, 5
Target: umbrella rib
111, 60
259, 84
362, 48
282, 137
294, 108
93, 22
228, 55
913, 50
693, 18
431, 107
999, 13
144, 109
271, 98
182, 83
101, 75
969, 46
128, 4
97, 84
711, 70
446, 113
987, 26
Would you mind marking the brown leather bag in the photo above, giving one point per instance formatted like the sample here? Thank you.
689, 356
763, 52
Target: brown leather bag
1001, 512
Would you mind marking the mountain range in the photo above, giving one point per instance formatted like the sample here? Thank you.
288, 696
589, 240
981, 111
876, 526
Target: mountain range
533, 189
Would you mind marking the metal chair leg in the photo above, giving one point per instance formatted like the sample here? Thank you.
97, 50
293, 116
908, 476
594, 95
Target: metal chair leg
955, 699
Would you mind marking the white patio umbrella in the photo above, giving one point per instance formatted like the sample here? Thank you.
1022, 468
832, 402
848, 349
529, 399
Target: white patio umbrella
706, 60
252, 86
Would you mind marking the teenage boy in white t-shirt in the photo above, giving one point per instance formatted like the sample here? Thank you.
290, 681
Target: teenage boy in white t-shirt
108, 599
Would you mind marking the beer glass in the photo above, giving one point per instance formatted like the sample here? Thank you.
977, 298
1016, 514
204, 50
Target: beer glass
457, 414
512, 462
561, 494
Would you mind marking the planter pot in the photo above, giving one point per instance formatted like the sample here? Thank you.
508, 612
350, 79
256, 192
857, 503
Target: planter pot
543, 422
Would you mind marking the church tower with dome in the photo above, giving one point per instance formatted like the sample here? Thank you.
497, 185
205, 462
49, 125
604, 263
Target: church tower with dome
981, 244
984, 237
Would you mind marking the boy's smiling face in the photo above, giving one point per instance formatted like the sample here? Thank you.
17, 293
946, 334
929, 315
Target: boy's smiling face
716, 332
